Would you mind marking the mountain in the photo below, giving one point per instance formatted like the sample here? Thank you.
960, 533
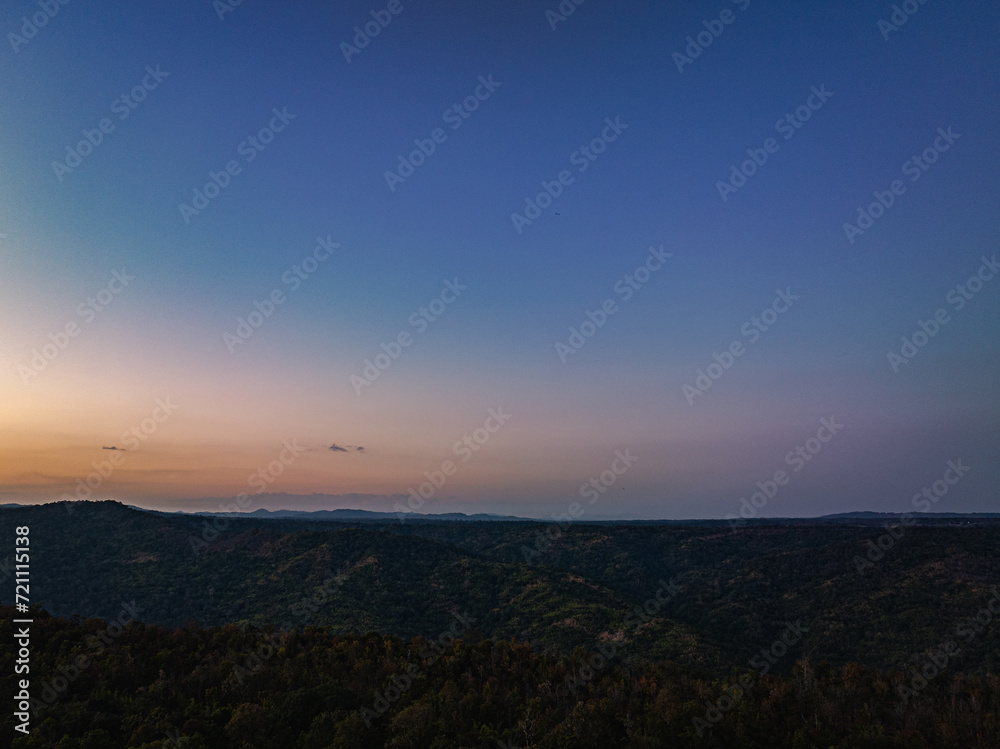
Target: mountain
371, 515
555, 586
376, 516
868, 515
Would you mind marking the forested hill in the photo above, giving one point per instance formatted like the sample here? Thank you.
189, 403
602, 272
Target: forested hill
144, 687
713, 596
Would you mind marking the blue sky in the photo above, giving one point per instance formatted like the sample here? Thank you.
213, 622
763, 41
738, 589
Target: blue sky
655, 184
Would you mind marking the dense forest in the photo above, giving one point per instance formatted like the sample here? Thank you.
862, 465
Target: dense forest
150, 687
196, 631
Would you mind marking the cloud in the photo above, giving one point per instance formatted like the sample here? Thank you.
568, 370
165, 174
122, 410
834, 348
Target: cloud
121, 449
346, 449
337, 448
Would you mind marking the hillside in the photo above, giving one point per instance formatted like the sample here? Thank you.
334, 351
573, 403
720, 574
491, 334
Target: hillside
724, 594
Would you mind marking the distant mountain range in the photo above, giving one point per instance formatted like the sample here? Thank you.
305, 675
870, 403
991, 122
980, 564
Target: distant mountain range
375, 516
864, 515
345, 514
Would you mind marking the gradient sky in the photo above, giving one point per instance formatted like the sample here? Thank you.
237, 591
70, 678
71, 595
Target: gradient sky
162, 336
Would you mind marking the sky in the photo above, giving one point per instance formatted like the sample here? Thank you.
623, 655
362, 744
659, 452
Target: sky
628, 261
